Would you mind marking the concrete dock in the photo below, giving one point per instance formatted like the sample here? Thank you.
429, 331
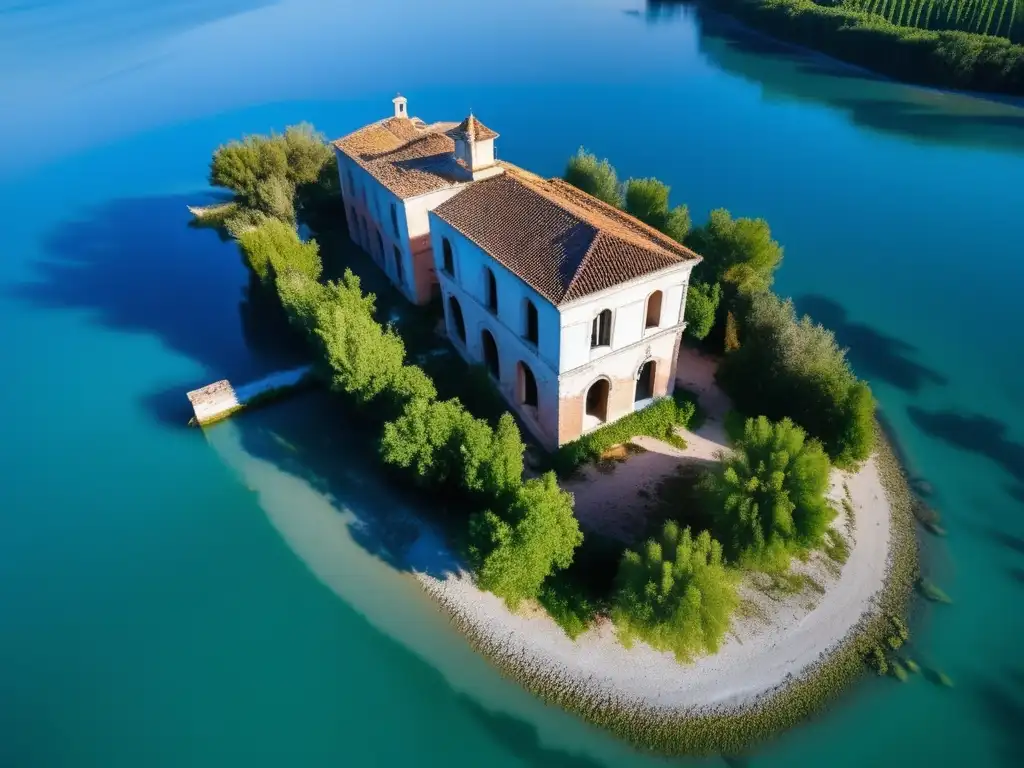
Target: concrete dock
221, 399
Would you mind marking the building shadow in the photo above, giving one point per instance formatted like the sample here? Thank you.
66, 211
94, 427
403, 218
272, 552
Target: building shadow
873, 354
135, 265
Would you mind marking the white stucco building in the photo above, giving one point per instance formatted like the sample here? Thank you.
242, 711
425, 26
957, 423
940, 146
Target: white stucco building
575, 307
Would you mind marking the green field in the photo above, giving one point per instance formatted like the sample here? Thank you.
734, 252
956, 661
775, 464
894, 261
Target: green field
1001, 18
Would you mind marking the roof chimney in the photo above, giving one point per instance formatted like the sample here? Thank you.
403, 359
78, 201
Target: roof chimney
400, 103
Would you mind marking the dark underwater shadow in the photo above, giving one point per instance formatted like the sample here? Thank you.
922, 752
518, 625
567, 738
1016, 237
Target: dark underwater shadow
873, 354
977, 434
1003, 701
872, 101
134, 265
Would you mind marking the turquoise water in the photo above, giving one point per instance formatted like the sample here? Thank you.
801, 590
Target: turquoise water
169, 598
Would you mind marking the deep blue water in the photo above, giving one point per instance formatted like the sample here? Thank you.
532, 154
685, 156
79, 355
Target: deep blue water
169, 598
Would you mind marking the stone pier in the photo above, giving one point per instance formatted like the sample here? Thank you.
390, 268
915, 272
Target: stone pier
221, 399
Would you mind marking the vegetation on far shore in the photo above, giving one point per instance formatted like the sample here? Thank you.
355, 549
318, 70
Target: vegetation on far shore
755, 510
932, 42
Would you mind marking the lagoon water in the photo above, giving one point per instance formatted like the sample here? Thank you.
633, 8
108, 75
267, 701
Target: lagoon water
169, 598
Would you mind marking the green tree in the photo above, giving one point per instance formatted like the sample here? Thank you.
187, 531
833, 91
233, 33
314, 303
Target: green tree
515, 551
739, 252
439, 440
264, 172
647, 200
675, 593
301, 297
501, 472
701, 305
274, 248
595, 177
768, 496
794, 368
365, 359
677, 226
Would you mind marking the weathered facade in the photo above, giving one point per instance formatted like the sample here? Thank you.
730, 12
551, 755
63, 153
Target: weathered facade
574, 307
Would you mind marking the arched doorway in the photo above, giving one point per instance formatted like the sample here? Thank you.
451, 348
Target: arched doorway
458, 325
526, 385
597, 403
645, 382
490, 354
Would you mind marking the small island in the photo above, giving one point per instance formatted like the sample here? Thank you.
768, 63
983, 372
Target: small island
671, 505
974, 46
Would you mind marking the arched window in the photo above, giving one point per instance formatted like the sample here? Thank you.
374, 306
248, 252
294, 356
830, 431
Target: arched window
597, 400
527, 385
601, 331
491, 289
448, 257
645, 382
398, 266
531, 330
653, 310
490, 353
394, 219
458, 324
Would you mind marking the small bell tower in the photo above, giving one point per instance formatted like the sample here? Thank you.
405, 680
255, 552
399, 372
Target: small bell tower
474, 148
401, 106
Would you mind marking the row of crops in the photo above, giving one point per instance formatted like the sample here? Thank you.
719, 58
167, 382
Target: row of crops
1002, 18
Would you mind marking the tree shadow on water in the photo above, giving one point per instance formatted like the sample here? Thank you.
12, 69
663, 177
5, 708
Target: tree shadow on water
976, 433
873, 354
1003, 702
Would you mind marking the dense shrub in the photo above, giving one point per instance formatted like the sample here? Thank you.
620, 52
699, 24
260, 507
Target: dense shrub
274, 248
952, 59
516, 549
793, 368
768, 495
265, 172
701, 306
658, 420
675, 593
738, 252
595, 177
442, 443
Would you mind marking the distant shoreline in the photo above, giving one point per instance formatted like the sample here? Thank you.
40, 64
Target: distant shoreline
930, 58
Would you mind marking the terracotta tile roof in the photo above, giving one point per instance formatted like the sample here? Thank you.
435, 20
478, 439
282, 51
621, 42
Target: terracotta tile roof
473, 128
405, 155
561, 241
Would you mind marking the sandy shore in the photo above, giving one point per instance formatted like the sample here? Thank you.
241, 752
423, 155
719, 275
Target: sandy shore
775, 637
